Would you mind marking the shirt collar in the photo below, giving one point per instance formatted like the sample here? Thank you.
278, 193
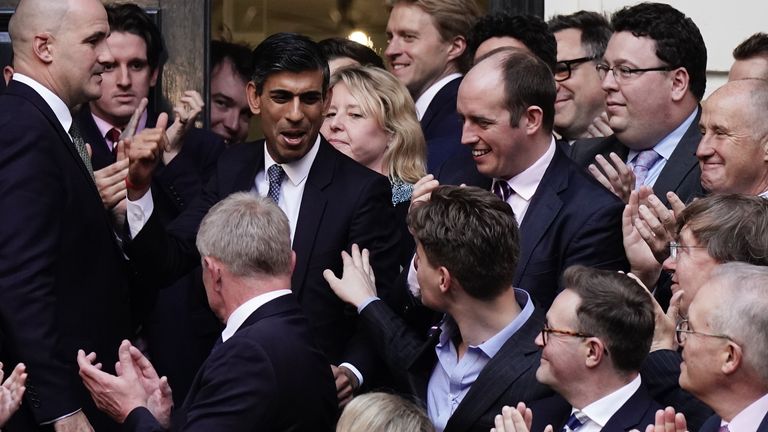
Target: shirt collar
526, 183
59, 108
422, 103
298, 170
239, 315
601, 410
667, 145
494, 344
104, 126
750, 417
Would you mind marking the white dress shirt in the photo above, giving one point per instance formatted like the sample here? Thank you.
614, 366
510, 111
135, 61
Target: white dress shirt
750, 417
57, 105
600, 411
239, 315
422, 103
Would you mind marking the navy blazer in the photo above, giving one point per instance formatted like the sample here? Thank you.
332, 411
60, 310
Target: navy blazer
269, 376
637, 412
442, 126
571, 219
713, 425
343, 203
61, 273
508, 378
681, 174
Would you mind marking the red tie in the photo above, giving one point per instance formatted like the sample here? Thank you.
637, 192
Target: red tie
114, 136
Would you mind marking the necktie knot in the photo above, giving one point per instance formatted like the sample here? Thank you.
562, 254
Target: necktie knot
574, 423
113, 135
642, 164
502, 189
275, 175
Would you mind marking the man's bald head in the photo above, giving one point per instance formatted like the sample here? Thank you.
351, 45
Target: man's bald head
61, 45
752, 95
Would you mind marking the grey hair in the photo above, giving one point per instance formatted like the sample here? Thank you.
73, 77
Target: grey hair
745, 318
248, 234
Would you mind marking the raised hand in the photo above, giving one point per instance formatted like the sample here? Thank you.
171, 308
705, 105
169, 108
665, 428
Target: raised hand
358, 282
614, 174
11, 391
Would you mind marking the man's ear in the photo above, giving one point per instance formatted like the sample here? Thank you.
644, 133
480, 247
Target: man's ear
681, 82
534, 117
457, 47
254, 101
445, 279
212, 267
595, 352
733, 356
42, 47
153, 77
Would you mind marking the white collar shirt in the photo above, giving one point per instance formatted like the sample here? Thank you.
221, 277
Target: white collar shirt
422, 103
57, 105
239, 315
600, 411
749, 418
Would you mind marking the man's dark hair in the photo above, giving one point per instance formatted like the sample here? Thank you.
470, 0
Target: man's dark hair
595, 30
527, 82
287, 52
733, 227
616, 309
129, 18
238, 54
336, 47
678, 40
473, 234
753, 46
530, 30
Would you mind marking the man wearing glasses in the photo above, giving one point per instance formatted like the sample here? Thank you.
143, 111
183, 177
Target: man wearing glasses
654, 75
598, 333
725, 348
580, 105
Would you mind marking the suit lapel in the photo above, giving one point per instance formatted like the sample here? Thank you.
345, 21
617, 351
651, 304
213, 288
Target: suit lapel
438, 102
313, 203
681, 162
515, 358
544, 207
244, 178
631, 414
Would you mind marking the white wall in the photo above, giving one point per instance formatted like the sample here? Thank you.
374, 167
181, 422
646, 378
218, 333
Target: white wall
723, 24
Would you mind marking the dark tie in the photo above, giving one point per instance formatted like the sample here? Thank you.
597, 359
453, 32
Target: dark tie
77, 139
573, 423
502, 189
114, 136
724, 428
275, 176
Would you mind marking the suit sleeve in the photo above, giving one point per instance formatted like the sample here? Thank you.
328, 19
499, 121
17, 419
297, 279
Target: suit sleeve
141, 420
396, 342
31, 199
599, 242
373, 227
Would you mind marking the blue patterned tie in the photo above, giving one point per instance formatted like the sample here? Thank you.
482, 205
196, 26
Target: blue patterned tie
573, 423
502, 189
275, 175
642, 164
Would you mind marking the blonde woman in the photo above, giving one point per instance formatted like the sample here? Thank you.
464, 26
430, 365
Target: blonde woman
383, 412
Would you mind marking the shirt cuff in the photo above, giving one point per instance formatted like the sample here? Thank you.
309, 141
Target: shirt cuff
354, 371
61, 418
139, 212
412, 280
368, 301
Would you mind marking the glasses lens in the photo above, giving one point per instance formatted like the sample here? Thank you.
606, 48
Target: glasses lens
562, 71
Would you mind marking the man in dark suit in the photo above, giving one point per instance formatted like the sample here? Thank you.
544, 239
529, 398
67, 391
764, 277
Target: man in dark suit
427, 53
266, 374
62, 273
331, 201
597, 334
724, 348
565, 217
654, 75
481, 355
178, 327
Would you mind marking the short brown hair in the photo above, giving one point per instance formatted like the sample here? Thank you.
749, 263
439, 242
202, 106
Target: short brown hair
615, 308
473, 234
733, 227
754, 46
452, 18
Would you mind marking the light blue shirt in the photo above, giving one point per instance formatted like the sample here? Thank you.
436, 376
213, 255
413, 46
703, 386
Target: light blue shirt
452, 377
665, 148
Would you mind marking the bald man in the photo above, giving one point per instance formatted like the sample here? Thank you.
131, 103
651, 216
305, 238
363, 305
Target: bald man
61, 270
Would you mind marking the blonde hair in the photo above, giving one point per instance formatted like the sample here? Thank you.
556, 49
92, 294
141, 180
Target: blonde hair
385, 98
383, 412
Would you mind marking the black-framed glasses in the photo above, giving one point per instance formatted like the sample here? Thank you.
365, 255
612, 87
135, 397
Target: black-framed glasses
564, 69
547, 330
683, 329
674, 248
625, 73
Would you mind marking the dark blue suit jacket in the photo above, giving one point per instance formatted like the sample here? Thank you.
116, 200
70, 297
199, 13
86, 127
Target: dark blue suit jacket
343, 203
713, 425
508, 378
61, 271
680, 175
269, 376
571, 219
442, 127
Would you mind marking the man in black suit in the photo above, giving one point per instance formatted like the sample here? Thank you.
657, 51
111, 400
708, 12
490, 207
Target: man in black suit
177, 326
427, 52
597, 334
565, 216
266, 374
331, 201
62, 272
481, 355
724, 348
654, 75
